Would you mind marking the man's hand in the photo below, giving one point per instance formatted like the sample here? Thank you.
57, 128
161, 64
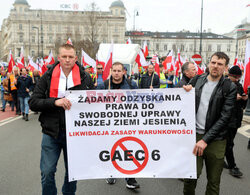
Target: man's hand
65, 103
187, 87
27, 90
151, 87
95, 84
239, 97
199, 148
245, 97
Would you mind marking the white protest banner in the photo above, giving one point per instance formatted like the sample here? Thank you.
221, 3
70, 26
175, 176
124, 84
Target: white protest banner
131, 133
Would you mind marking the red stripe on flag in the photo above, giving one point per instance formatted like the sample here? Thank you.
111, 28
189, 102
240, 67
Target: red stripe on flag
76, 75
54, 84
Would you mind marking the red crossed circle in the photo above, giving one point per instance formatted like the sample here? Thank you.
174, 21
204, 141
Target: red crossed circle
139, 165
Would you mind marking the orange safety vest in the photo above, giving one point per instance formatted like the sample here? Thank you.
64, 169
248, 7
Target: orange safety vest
12, 82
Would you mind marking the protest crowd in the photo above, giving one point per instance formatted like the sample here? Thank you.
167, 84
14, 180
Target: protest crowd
220, 94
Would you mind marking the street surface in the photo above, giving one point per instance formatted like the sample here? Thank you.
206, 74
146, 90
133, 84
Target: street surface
20, 173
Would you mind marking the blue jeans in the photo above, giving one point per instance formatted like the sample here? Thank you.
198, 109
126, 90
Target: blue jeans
51, 149
24, 106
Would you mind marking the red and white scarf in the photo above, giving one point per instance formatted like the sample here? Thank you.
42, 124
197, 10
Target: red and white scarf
59, 81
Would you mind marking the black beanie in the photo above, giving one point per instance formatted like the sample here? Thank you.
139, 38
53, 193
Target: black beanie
235, 70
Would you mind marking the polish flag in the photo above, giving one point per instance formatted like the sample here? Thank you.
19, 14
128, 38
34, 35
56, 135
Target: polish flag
168, 61
181, 61
198, 68
32, 65
87, 60
236, 60
19, 64
22, 56
246, 77
140, 59
177, 66
129, 41
153, 60
108, 64
50, 58
145, 49
157, 66
11, 62
171, 66
69, 42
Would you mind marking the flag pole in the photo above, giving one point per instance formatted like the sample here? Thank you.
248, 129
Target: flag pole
152, 79
109, 78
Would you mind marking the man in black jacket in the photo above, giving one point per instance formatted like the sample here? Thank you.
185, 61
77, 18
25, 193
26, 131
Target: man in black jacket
48, 98
188, 71
214, 104
235, 121
150, 79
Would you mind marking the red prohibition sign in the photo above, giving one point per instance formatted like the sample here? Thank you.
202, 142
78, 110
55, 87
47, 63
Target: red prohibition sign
139, 165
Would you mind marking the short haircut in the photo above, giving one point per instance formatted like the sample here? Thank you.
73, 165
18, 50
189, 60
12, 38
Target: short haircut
67, 46
118, 63
185, 67
151, 65
221, 55
161, 66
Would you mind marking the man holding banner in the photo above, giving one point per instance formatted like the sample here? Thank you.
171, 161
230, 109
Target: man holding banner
119, 81
49, 99
150, 80
215, 98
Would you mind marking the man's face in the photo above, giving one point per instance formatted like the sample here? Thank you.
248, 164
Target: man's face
161, 69
88, 70
117, 72
217, 67
15, 71
99, 69
191, 72
67, 58
150, 69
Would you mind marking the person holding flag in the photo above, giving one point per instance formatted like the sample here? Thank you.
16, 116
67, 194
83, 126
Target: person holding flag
49, 99
150, 79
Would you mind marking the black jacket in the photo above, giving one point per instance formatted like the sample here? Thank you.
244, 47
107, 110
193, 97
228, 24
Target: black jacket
52, 118
146, 81
239, 106
184, 81
219, 109
24, 83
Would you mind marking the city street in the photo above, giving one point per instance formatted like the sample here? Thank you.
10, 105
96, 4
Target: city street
20, 174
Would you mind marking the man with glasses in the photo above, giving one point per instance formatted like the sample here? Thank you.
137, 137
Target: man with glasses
98, 76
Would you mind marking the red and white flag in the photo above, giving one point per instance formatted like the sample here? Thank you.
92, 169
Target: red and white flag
177, 67
168, 61
129, 41
198, 68
50, 58
22, 56
108, 64
236, 60
69, 42
145, 49
19, 64
140, 59
87, 60
157, 66
181, 61
32, 65
11, 62
246, 77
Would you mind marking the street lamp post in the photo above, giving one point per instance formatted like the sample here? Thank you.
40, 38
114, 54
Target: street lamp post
136, 13
34, 27
201, 26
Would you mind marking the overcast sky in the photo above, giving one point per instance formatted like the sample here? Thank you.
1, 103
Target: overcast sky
221, 16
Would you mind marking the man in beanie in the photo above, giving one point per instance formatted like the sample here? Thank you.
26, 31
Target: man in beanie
234, 75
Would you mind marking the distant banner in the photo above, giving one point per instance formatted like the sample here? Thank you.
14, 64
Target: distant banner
131, 133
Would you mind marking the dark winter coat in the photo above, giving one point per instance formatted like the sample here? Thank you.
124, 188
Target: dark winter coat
23, 83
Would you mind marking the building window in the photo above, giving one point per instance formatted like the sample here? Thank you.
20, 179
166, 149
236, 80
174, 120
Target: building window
174, 48
157, 46
32, 53
228, 47
165, 47
218, 47
59, 27
20, 38
190, 47
20, 9
116, 12
50, 39
41, 39
20, 27
50, 27
209, 48
116, 29
33, 40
